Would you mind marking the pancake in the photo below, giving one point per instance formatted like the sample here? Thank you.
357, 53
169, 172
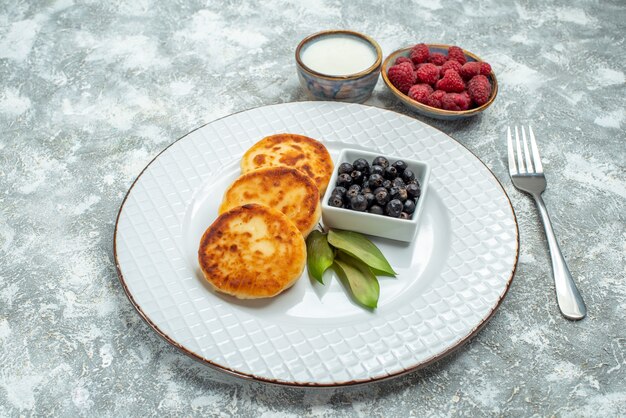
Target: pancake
285, 189
291, 150
252, 251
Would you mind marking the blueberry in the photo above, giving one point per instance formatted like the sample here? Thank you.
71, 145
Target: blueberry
370, 198
391, 173
399, 193
409, 206
362, 165
413, 190
375, 181
375, 209
345, 168
335, 201
366, 190
344, 180
387, 184
408, 175
400, 166
339, 191
377, 169
382, 196
357, 176
354, 190
381, 161
398, 182
358, 203
404, 215
394, 208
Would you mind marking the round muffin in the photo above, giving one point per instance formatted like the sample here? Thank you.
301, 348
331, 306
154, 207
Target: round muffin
297, 151
252, 251
285, 189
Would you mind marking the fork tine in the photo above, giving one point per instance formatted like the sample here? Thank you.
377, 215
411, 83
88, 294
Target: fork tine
529, 163
533, 146
520, 158
509, 142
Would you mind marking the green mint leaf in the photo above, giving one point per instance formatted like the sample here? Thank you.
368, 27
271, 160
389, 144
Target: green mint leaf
359, 279
362, 249
320, 255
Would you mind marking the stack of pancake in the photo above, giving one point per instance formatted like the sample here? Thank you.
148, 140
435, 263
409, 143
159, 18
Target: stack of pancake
256, 248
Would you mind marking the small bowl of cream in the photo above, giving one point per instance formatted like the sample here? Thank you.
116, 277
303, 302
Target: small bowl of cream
339, 65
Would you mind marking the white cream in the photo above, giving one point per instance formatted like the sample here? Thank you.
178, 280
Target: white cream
338, 55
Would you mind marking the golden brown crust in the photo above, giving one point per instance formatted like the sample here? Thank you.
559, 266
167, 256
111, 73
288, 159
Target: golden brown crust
298, 151
252, 251
283, 188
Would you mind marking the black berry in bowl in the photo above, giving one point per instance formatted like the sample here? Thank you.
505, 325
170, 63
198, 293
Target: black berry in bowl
408, 176
344, 180
335, 201
398, 182
399, 165
353, 191
345, 168
339, 191
394, 208
358, 203
376, 210
413, 190
381, 195
398, 193
361, 165
377, 169
391, 173
409, 206
357, 177
381, 161
375, 181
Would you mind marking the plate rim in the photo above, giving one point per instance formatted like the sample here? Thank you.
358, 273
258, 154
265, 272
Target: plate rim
353, 382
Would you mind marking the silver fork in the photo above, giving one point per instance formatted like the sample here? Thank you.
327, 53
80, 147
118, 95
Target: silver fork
527, 175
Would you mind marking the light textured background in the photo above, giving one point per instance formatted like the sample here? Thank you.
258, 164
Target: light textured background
90, 92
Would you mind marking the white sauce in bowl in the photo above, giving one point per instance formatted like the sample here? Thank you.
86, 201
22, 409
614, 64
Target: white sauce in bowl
338, 55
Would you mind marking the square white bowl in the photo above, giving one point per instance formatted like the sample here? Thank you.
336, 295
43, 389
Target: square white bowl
369, 223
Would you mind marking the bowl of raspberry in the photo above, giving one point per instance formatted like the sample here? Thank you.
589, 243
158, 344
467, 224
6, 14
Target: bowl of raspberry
440, 81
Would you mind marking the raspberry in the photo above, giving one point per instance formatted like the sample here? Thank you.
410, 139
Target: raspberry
434, 100
420, 92
402, 76
419, 53
456, 53
400, 60
479, 89
451, 82
427, 73
471, 69
450, 65
437, 58
485, 68
456, 101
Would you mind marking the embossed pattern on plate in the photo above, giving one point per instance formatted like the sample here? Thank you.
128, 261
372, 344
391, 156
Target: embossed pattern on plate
437, 303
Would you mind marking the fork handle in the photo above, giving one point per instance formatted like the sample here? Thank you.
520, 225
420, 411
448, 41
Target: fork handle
570, 302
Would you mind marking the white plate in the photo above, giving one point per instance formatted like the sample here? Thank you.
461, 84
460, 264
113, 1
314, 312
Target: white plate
451, 279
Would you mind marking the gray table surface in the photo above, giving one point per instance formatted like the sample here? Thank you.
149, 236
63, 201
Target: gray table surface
90, 93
